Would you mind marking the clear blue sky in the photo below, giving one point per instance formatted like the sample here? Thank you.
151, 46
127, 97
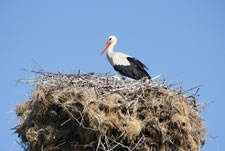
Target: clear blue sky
183, 39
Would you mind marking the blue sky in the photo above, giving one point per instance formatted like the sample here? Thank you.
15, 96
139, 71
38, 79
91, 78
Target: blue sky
184, 40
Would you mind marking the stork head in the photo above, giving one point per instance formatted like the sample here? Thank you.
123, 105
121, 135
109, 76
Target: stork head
111, 41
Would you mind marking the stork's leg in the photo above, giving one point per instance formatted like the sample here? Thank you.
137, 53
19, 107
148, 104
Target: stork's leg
123, 77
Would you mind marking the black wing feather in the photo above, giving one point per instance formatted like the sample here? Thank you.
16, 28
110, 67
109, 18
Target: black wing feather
135, 70
135, 61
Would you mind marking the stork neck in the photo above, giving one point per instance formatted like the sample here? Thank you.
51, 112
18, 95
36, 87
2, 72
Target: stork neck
110, 49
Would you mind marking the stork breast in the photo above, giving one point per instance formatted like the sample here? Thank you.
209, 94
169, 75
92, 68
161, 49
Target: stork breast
120, 60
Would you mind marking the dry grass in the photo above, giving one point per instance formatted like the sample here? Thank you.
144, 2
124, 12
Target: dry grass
97, 112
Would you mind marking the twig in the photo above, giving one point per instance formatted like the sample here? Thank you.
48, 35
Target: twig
71, 115
119, 143
191, 89
137, 144
107, 142
65, 122
156, 77
196, 92
99, 142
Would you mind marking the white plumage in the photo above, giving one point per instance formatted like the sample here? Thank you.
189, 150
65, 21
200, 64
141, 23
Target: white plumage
118, 58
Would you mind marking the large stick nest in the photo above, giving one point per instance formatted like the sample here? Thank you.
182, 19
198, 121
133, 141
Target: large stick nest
98, 112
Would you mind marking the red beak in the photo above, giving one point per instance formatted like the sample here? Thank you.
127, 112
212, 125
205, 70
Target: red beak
106, 46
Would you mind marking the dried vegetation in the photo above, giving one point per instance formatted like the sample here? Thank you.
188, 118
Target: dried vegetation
97, 112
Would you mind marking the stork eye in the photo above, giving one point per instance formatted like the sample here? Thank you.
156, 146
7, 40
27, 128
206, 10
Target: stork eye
110, 38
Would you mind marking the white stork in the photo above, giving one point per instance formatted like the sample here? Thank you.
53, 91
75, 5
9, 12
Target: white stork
126, 66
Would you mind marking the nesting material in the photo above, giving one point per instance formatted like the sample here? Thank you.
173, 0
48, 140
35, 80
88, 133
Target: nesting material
97, 112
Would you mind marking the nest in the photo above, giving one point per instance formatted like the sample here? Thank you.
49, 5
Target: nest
97, 112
